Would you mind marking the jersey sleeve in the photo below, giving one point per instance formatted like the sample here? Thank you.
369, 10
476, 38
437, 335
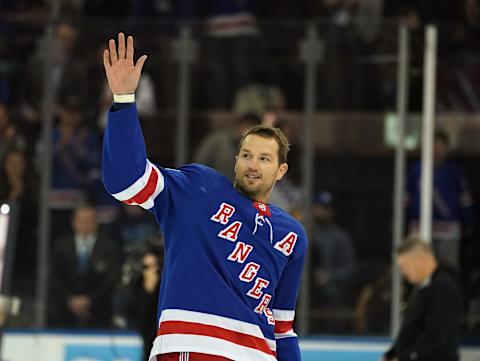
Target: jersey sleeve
127, 173
131, 178
284, 305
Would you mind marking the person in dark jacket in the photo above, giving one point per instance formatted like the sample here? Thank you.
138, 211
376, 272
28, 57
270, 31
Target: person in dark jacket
85, 267
145, 299
431, 323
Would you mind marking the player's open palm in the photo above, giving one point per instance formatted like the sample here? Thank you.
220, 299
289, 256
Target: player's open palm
122, 73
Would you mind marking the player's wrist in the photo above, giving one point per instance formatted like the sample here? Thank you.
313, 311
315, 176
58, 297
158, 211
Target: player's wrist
124, 98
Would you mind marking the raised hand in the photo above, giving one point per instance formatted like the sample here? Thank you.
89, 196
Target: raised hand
122, 74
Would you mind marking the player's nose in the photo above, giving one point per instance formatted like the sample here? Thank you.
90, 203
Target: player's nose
253, 164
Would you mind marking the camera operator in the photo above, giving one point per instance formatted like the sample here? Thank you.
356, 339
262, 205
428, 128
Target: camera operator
145, 299
137, 296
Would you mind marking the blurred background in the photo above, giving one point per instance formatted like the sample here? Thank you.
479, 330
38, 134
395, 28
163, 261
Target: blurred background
76, 259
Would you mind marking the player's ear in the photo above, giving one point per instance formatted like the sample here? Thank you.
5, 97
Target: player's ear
282, 169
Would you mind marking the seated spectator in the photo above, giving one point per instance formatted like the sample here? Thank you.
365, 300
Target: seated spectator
288, 196
68, 77
372, 308
75, 163
9, 136
231, 29
133, 226
85, 268
333, 255
267, 100
219, 148
287, 193
18, 187
459, 71
452, 213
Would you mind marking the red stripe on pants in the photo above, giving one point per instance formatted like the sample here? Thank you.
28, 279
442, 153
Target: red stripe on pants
193, 356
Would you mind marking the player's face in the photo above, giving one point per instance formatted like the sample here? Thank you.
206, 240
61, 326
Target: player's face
257, 167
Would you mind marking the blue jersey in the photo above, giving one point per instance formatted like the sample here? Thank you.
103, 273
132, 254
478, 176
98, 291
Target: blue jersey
232, 266
452, 200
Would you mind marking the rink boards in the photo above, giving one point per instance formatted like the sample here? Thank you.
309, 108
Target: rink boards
101, 346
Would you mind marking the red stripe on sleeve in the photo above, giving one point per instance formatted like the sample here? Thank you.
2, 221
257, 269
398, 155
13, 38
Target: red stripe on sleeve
147, 191
283, 326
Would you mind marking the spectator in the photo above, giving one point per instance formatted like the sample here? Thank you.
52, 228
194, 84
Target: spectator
340, 71
468, 29
125, 310
459, 71
85, 268
452, 203
287, 193
372, 308
145, 297
333, 255
9, 137
18, 187
431, 324
17, 183
68, 77
264, 100
231, 28
76, 159
288, 196
409, 17
133, 226
28, 11
219, 148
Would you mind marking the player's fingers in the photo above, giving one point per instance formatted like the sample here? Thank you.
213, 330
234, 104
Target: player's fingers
106, 59
130, 49
121, 46
140, 63
113, 51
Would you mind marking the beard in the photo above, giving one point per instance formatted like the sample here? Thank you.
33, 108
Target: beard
256, 192
245, 190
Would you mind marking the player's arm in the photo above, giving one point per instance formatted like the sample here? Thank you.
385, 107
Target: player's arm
127, 173
284, 305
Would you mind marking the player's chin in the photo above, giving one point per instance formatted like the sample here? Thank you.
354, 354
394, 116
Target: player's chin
248, 190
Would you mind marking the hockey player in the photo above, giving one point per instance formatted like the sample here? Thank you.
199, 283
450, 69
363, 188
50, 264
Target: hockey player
233, 262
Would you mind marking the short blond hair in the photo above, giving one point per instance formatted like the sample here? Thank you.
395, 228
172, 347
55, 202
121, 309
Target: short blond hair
411, 243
